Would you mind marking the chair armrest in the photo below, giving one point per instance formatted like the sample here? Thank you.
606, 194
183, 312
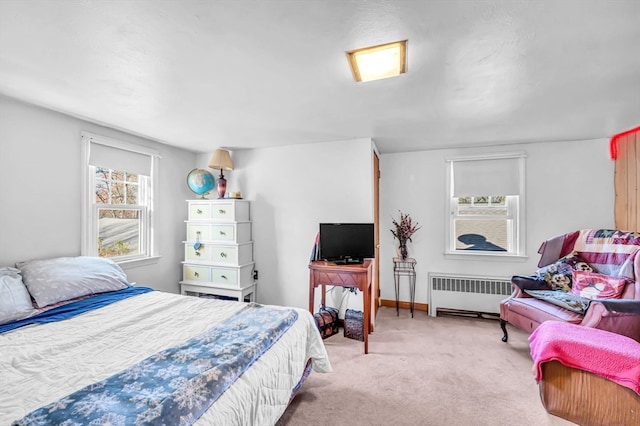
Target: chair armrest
619, 316
631, 306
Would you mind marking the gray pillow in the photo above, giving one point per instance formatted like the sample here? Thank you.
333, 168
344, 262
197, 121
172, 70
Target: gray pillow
63, 278
15, 302
569, 301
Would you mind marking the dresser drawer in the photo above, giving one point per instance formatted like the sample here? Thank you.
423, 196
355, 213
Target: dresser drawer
223, 232
226, 276
196, 273
238, 254
202, 254
222, 210
199, 211
240, 276
198, 232
220, 254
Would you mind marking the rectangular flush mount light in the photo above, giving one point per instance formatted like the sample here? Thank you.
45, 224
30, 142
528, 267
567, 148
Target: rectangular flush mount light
376, 62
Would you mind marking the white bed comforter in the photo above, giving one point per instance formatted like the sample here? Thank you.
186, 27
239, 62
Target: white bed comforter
40, 364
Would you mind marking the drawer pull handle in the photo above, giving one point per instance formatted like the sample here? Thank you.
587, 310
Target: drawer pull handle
197, 275
224, 277
222, 211
199, 211
223, 254
223, 233
197, 253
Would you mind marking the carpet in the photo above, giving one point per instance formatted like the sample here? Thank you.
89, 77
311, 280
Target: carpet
445, 370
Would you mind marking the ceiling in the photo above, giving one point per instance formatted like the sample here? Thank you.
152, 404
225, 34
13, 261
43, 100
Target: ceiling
251, 74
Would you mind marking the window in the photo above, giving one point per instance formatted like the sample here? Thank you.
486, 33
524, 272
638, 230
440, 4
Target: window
485, 201
118, 206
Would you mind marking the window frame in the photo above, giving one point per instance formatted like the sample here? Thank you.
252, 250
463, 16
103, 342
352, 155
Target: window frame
515, 212
146, 188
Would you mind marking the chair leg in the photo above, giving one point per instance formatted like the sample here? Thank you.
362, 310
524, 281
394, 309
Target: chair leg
503, 326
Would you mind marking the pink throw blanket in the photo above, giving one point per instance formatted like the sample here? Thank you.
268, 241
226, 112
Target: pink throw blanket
600, 352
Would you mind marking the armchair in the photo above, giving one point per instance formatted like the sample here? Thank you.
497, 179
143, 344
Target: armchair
611, 253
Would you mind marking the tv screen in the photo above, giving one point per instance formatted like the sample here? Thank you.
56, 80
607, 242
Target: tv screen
346, 242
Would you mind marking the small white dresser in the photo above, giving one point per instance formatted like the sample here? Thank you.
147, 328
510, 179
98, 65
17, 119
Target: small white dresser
218, 251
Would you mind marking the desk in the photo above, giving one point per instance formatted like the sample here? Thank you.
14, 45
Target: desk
323, 273
405, 268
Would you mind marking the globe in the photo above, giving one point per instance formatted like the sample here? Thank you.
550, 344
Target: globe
201, 182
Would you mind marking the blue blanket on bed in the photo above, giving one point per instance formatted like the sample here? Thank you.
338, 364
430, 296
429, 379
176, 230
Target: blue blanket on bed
177, 385
76, 308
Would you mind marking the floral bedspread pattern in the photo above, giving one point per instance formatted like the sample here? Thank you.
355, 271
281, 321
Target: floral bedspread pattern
176, 385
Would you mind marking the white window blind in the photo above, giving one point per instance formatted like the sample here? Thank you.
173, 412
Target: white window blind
494, 176
117, 155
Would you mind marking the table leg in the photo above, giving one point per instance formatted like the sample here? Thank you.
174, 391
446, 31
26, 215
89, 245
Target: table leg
366, 294
412, 289
396, 280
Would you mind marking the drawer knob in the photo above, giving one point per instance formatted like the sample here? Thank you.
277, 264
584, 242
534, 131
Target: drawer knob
221, 211
197, 253
199, 211
223, 233
224, 277
195, 274
223, 254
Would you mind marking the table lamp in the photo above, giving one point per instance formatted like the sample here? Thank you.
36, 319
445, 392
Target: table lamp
221, 160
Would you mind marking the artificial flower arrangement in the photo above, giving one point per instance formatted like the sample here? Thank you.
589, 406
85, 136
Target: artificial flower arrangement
404, 229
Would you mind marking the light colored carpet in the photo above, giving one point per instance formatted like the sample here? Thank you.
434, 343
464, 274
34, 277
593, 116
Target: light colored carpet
424, 371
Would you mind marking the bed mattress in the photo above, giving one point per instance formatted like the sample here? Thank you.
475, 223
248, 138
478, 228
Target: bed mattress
40, 364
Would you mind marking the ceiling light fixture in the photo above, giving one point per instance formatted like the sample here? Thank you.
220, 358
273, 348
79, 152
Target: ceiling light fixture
376, 62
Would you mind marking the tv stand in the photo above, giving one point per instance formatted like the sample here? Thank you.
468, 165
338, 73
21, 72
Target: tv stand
323, 273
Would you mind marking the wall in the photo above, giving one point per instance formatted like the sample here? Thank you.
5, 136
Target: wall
292, 189
569, 186
40, 196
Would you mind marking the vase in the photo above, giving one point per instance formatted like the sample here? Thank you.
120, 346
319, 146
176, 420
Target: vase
402, 251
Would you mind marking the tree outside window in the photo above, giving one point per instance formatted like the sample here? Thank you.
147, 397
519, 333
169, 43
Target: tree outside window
120, 213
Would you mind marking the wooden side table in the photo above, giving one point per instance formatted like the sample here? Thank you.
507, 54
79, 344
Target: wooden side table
323, 273
405, 268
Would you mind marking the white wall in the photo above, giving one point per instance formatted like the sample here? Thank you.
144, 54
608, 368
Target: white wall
569, 186
292, 189
40, 196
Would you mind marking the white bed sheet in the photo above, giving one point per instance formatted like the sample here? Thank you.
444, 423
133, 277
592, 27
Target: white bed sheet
40, 364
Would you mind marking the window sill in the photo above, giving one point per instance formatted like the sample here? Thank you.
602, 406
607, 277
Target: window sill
135, 263
456, 255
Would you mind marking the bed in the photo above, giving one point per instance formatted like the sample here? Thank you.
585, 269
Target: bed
123, 354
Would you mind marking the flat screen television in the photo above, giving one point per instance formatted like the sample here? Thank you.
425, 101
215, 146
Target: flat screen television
346, 242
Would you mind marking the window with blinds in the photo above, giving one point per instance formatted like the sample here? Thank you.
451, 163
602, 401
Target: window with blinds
486, 199
118, 198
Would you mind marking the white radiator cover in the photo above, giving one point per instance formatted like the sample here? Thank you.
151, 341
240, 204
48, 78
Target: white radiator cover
467, 292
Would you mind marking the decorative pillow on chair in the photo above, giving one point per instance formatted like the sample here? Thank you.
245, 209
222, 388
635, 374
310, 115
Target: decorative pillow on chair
568, 301
597, 286
64, 278
529, 283
15, 302
559, 274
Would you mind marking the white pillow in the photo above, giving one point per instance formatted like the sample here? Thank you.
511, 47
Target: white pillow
15, 302
64, 278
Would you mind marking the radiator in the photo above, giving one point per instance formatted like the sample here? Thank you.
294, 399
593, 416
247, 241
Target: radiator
467, 293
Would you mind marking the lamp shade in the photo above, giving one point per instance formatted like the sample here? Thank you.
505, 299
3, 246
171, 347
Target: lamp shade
221, 160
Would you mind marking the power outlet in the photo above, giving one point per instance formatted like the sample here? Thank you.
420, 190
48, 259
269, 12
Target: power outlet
255, 274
